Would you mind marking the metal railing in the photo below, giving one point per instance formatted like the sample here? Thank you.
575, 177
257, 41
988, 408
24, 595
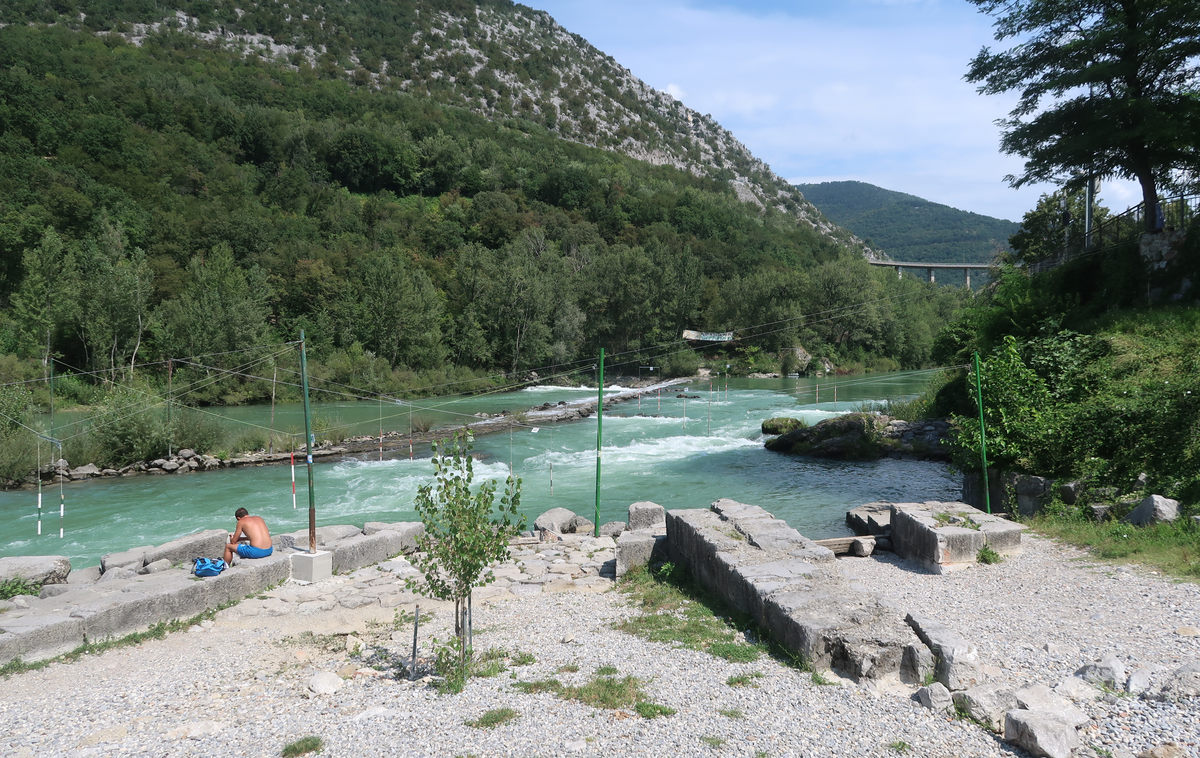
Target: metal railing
1178, 213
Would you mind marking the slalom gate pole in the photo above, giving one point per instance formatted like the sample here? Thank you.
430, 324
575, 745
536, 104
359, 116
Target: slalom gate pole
835, 397
685, 411
381, 429
599, 436
818, 395
170, 433
39, 476
62, 500
293, 473
312, 495
987, 490
552, 479
271, 440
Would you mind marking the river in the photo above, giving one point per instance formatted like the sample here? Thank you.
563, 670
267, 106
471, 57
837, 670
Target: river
662, 455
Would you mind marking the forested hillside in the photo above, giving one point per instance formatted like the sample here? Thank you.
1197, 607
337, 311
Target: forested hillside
177, 197
907, 227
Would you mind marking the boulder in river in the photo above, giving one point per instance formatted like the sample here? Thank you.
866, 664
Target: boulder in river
782, 425
855, 436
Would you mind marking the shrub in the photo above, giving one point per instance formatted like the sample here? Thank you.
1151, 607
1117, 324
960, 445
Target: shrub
684, 363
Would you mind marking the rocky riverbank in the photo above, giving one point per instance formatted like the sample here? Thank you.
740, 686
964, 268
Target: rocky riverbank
393, 443
328, 659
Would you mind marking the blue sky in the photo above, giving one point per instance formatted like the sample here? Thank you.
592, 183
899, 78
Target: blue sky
871, 90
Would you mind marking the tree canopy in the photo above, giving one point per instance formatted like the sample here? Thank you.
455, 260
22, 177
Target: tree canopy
1108, 87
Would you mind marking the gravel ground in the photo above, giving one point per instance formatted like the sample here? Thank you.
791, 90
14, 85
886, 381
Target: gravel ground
238, 686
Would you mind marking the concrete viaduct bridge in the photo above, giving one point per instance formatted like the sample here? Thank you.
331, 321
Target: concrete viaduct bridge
966, 268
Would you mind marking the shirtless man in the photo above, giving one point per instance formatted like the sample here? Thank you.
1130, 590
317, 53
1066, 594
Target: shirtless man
251, 530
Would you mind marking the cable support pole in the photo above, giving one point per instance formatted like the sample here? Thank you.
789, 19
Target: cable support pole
599, 436
312, 496
987, 493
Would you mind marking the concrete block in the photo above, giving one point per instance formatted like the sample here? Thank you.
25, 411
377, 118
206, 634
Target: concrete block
36, 569
183, 551
363, 550
312, 567
634, 549
248, 577
939, 536
646, 515
873, 519
143, 602
1041, 734
37, 637
326, 535
133, 558
1003, 536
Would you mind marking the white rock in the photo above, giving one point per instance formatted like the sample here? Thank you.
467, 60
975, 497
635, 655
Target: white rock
1041, 734
1108, 671
196, 730
324, 683
1077, 689
1039, 697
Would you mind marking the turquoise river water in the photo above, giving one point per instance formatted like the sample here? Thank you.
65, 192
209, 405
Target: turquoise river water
679, 462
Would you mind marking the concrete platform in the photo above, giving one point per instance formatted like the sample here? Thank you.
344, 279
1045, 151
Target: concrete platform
945, 537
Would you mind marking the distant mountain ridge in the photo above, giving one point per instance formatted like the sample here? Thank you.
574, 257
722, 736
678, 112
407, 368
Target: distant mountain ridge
502, 60
907, 227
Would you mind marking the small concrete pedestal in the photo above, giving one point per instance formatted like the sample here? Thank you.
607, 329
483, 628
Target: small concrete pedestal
312, 567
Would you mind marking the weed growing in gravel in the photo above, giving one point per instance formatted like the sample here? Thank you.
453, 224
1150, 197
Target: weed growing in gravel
988, 556
712, 741
648, 710
1170, 547
732, 713
601, 692
819, 679
744, 680
568, 668
521, 658
303, 746
493, 718
900, 746
676, 610
607, 671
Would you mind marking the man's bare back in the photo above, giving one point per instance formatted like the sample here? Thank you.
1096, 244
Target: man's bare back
251, 529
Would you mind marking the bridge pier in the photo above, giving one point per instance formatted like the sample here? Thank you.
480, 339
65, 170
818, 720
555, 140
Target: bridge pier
932, 279
967, 273
899, 272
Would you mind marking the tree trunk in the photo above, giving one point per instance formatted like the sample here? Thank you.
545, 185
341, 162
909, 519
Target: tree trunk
1145, 177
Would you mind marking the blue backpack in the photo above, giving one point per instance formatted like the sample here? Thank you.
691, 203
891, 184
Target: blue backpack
209, 566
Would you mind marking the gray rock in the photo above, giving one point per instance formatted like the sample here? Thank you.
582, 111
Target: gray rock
364, 550
987, 704
862, 547
116, 575
184, 550
916, 664
324, 683
1100, 511
634, 549
646, 515
1184, 682
873, 519
1139, 484
87, 575
133, 558
1138, 681
283, 542
612, 529
884, 544
36, 569
54, 590
1068, 492
1077, 689
936, 698
187, 454
169, 466
153, 568
1041, 734
85, 472
1040, 698
1153, 510
563, 521
957, 659
1108, 671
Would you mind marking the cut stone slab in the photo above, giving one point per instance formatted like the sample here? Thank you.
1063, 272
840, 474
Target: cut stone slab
134, 559
791, 586
36, 569
635, 549
938, 535
326, 535
366, 549
38, 637
987, 704
936, 698
184, 550
1041, 734
646, 515
408, 530
116, 575
88, 575
957, 659
1039, 697
312, 567
1153, 510
874, 519
152, 568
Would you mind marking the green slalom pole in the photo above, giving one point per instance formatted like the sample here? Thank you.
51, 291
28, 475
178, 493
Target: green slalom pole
599, 436
312, 496
987, 490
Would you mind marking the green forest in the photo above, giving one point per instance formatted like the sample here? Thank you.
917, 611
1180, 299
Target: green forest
176, 199
909, 228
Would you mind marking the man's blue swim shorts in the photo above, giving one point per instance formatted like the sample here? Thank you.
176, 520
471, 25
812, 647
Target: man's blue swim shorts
249, 551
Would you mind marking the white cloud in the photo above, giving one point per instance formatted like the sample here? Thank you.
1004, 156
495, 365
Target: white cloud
867, 90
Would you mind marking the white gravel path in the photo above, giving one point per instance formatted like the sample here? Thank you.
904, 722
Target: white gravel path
238, 688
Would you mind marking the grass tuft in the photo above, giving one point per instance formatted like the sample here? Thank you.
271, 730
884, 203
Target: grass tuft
607, 671
988, 556
819, 679
303, 746
744, 680
568, 668
712, 741
900, 746
648, 710
732, 713
493, 718
521, 658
